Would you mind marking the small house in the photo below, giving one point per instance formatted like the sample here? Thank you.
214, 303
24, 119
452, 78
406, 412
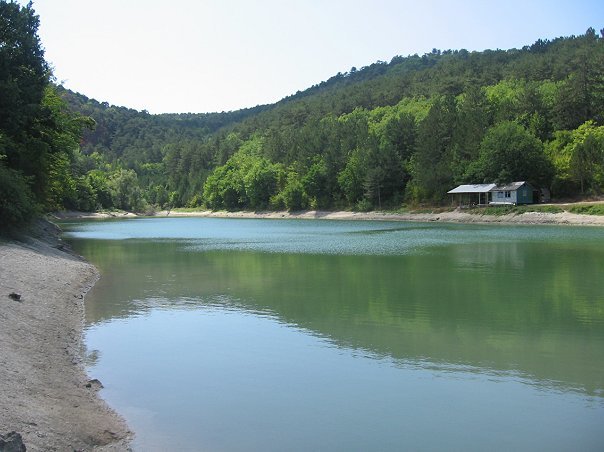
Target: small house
512, 194
492, 194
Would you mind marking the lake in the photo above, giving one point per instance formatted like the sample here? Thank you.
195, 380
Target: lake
300, 335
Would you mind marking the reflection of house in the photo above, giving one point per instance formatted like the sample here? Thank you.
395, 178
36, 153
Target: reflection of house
492, 194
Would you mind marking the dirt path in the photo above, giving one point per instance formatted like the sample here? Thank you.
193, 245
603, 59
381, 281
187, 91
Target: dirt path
44, 391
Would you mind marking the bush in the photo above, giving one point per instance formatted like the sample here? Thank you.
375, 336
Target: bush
364, 205
588, 209
17, 205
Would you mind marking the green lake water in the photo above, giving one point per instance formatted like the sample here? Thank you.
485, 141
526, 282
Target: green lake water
302, 335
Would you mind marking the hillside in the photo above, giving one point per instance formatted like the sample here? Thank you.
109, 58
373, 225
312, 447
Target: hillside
391, 133
378, 136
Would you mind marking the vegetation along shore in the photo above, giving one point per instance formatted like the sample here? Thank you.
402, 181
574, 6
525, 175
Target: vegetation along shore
403, 132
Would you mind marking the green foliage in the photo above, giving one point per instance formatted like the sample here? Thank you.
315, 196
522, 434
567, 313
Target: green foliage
588, 209
509, 153
293, 195
538, 208
23, 71
505, 210
409, 129
352, 177
315, 184
17, 205
578, 158
99, 181
246, 180
431, 165
125, 191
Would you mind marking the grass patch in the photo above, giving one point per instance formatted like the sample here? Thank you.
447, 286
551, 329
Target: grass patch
538, 208
588, 209
505, 210
187, 209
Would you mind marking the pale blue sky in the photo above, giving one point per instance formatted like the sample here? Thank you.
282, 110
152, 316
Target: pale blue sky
215, 55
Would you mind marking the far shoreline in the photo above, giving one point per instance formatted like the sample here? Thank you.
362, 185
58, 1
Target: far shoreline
453, 216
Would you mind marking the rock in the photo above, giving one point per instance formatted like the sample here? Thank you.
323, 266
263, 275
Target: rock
14, 296
12, 442
95, 384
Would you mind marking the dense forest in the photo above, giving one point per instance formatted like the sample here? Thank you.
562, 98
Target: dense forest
392, 133
39, 135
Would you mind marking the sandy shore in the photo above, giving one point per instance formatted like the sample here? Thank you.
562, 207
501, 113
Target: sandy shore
456, 216
45, 394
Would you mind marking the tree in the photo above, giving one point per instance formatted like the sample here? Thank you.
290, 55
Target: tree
16, 200
40, 136
315, 183
246, 180
578, 157
471, 123
24, 74
293, 194
509, 153
99, 181
23, 78
125, 191
431, 164
581, 95
352, 177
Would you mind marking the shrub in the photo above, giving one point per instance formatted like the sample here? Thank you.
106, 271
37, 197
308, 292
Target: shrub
588, 209
17, 205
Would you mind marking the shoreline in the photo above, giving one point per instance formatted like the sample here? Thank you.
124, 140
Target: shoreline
45, 394
455, 216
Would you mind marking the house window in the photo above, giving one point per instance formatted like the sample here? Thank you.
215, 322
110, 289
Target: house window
500, 194
508, 194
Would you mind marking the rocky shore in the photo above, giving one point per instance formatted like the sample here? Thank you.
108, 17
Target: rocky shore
45, 394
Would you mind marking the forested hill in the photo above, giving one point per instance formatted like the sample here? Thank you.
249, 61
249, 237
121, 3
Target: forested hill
374, 137
137, 136
379, 136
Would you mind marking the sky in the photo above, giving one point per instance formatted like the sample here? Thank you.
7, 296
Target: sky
199, 56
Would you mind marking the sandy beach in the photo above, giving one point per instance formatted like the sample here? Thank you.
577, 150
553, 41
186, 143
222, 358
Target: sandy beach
45, 394
455, 216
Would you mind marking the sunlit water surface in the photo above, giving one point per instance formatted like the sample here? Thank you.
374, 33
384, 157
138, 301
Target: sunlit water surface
273, 335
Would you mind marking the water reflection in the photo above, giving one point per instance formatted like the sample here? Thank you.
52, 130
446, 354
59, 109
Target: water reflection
535, 309
317, 335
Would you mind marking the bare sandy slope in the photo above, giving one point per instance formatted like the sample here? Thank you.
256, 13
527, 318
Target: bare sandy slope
456, 216
43, 385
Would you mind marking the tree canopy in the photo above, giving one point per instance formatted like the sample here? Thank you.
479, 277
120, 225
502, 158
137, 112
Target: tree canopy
375, 137
403, 131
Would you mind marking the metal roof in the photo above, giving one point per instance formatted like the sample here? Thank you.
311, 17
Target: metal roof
510, 187
473, 188
484, 188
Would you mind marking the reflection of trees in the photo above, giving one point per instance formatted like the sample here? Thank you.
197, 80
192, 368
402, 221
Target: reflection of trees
536, 309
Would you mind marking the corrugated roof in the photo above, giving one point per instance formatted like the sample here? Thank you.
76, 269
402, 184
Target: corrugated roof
483, 188
510, 187
473, 188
